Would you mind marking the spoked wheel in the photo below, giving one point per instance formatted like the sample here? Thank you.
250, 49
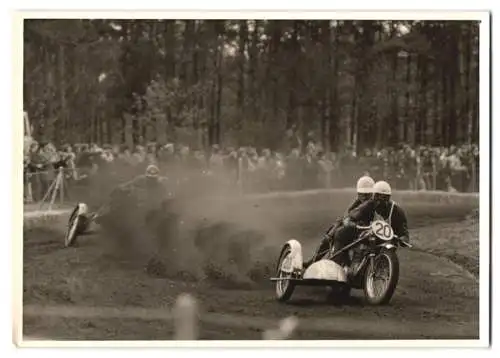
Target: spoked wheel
284, 286
77, 224
381, 278
73, 225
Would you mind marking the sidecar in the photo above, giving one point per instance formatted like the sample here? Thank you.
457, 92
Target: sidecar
290, 272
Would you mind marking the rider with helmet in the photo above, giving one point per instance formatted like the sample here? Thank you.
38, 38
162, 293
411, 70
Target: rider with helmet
149, 191
364, 189
379, 207
142, 208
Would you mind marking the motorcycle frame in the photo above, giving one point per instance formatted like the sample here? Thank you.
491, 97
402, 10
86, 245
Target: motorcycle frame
347, 247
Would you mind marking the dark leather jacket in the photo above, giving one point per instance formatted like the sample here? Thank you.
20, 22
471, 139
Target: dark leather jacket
390, 212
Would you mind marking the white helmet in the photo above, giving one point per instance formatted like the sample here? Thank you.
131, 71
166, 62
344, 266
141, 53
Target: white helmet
365, 185
382, 187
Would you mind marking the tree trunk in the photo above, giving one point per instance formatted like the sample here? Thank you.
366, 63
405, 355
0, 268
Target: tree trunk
218, 134
63, 120
453, 74
394, 126
243, 35
333, 123
422, 101
408, 97
443, 113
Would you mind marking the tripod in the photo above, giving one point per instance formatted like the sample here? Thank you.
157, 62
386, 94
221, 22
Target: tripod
56, 186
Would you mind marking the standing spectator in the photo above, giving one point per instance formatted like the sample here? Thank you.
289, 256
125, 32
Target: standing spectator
325, 170
243, 165
216, 160
294, 170
410, 168
264, 170
151, 154
139, 156
49, 157
385, 164
292, 139
94, 148
475, 159
107, 154
34, 165
279, 171
199, 161
84, 162
166, 156
458, 171
69, 157
253, 163
124, 163
335, 173
125, 157
310, 173
116, 150
399, 168
231, 165
428, 168
27, 192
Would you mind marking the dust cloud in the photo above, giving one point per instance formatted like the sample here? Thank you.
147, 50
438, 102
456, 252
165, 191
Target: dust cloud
221, 235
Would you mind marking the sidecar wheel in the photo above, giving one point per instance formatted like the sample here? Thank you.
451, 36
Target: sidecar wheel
284, 288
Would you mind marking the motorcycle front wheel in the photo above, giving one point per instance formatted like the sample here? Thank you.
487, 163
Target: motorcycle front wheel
77, 225
74, 229
381, 278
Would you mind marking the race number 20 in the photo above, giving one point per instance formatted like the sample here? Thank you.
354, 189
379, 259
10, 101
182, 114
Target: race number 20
382, 229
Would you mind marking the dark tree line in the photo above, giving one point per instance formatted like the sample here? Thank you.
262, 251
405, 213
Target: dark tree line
241, 82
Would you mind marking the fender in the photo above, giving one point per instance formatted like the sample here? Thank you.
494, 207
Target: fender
295, 254
82, 209
325, 270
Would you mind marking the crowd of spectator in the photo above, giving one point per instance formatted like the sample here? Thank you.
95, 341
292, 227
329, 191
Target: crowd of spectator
423, 168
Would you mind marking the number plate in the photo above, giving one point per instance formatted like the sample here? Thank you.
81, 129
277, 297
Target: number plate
382, 230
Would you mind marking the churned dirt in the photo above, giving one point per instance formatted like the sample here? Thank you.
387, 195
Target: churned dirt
224, 258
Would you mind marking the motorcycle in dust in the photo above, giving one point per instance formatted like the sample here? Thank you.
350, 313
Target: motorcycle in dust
108, 216
373, 258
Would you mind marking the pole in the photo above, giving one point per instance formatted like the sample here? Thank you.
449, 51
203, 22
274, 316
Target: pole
48, 192
61, 190
56, 188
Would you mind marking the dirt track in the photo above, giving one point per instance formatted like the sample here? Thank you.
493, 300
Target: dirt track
435, 297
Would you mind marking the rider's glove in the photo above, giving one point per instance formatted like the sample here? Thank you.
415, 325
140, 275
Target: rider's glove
406, 239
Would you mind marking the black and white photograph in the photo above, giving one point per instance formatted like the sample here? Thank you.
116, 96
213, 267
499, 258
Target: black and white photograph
254, 177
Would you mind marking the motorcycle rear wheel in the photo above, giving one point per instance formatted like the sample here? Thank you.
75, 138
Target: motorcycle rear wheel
390, 258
